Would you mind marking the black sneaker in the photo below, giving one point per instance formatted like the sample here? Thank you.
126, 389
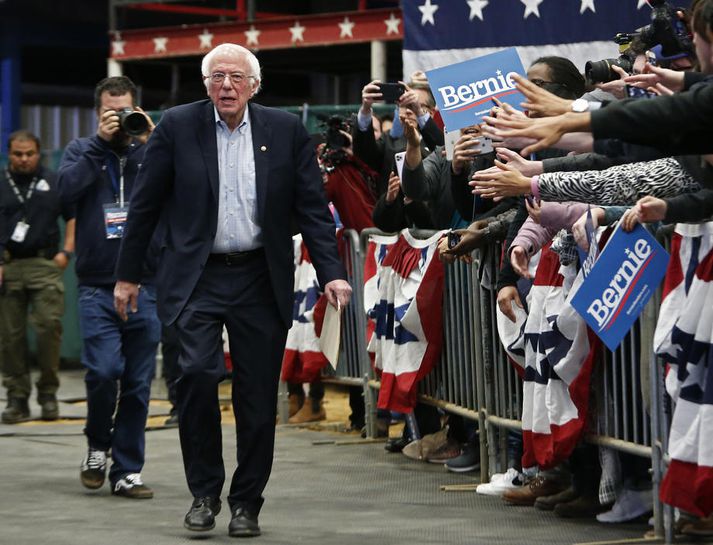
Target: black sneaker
49, 405
93, 469
17, 411
131, 486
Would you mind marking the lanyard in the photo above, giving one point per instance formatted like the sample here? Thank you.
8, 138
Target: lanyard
118, 186
16, 189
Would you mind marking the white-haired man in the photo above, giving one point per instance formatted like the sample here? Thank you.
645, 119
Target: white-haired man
227, 178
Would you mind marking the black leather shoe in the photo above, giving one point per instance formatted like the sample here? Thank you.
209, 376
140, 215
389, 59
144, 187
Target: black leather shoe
396, 445
243, 524
201, 516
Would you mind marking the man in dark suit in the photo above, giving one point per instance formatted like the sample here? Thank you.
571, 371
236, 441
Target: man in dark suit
228, 180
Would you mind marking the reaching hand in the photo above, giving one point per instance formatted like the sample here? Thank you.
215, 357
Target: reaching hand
394, 188
522, 165
369, 94
540, 102
520, 261
410, 124
533, 209
579, 227
616, 87
508, 182
506, 297
464, 152
647, 209
471, 239
653, 75
546, 131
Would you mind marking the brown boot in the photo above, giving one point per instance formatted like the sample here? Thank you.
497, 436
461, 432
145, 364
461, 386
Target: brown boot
582, 507
308, 413
539, 486
295, 403
547, 503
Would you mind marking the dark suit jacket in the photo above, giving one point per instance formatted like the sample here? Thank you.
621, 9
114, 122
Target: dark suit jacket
179, 179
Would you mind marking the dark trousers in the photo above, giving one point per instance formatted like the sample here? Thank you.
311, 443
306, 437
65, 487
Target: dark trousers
170, 349
120, 358
241, 297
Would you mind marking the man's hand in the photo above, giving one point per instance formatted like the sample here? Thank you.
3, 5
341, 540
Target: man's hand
444, 253
506, 297
471, 239
546, 131
507, 182
338, 291
540, 102
648, 209
410, 100
534, 209
464, 152
653, 76
108, 125
143, 138
369, 94
394, 188
410, 124
515, 160
61, 260
126, 295
616, 87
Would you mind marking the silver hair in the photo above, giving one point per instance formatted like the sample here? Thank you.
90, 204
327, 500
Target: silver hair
232, 50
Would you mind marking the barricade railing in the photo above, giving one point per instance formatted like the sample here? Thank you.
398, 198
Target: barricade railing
476, 380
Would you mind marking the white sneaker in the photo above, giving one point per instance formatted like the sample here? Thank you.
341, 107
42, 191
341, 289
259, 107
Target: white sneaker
500, 482
629, 505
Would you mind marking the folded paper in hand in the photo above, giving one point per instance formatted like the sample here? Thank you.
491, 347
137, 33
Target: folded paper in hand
331, 334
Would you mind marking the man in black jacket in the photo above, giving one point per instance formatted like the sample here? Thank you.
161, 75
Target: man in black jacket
97, 176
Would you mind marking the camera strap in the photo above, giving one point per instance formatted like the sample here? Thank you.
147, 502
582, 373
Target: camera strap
118, 185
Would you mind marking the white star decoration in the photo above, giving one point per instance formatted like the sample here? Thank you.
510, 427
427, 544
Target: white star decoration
206, 39
252, 35
345, 28
642, 3
159, 44
532, 7
476, 8
427, 11
117, 45
297, 32
587, 4
392, 24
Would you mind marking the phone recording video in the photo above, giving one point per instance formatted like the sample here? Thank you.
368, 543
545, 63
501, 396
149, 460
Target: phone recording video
638, 92
391, 92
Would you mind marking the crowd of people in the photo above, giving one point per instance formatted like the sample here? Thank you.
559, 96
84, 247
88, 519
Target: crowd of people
195, 252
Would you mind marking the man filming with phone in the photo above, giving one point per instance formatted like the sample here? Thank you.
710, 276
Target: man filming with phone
97, 175
379, 154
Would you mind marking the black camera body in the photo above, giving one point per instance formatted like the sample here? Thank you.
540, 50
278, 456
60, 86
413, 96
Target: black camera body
333, 136
602, 71
132, 122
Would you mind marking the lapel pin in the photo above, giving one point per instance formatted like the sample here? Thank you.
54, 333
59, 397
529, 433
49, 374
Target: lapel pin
263, 148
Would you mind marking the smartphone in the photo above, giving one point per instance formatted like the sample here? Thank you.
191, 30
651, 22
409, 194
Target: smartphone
651, 58
638, 92
450, 137
391, 92
485, 145
453, 240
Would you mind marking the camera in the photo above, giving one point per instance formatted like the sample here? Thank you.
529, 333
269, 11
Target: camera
453, 240
132, 122
333, 136
667, 30
391, 92
602, 71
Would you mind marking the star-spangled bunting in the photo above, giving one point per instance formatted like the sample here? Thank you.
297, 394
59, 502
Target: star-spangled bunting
297, 32
587, 4
206, 39
159, 44
642, 3
252, 36
392, 24
476, 8
428, 10
532, 7
345, 28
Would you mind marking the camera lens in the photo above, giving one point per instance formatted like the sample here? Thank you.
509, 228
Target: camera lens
599, 71
133, 123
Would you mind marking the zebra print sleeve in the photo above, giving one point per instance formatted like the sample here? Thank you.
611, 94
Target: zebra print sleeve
620, 184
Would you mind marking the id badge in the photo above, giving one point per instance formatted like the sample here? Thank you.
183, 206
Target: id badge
115, 219
20, 232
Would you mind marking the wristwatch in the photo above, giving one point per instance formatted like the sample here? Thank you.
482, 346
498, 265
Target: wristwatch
580, 105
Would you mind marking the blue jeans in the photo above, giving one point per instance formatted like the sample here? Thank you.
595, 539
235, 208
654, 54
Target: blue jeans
120, 358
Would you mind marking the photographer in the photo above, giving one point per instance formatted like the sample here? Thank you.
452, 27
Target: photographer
97, 175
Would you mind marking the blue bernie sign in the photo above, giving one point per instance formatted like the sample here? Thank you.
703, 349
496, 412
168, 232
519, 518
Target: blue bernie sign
620, 284
464, 91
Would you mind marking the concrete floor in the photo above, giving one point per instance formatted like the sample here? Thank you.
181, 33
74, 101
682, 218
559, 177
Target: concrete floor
318, 494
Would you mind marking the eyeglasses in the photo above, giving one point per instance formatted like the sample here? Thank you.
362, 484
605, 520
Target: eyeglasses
541, 82
236, 78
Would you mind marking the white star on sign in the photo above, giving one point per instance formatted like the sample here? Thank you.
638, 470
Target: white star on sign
476, 8
297, 32
252, 35
206, 39
642, 3
117, 46
427, 11
392, 24
587, 4
345, 28
532, 7
159, 44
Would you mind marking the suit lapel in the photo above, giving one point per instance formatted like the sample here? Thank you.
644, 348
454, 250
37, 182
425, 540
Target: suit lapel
261, 132
209, 146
